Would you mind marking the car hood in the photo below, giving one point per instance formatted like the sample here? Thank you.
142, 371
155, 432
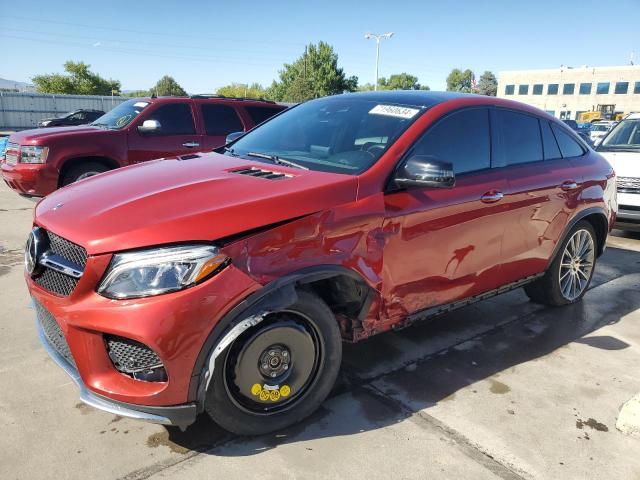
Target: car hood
625, 164
172, 200
42, 136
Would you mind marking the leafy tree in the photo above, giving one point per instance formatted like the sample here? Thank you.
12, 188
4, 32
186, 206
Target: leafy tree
459, 81
168, 87
77, 81
488, 84
243, 90
136, 93
314, 74
401, 81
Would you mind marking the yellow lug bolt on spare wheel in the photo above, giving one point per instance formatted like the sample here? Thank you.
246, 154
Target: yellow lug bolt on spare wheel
256, 389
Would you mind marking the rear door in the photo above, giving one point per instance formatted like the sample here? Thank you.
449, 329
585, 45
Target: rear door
177, 134
443, 245
541, 193
219, 120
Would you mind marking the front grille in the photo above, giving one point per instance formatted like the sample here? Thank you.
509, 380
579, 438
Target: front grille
260, 173
58, 282
129, 356
628, 184
53, 332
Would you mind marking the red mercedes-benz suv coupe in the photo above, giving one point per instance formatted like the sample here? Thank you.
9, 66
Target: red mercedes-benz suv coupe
226, 282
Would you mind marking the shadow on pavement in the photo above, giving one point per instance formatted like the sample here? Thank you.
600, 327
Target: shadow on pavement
515, 331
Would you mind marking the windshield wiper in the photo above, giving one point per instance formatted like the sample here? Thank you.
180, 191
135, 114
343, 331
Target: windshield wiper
277, 160
230, 151
101, 125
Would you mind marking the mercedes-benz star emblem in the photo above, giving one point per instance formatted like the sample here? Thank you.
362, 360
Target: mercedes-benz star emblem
36, 246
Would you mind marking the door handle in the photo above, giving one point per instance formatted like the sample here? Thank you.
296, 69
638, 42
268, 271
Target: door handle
569, 185
492, 197
191, 144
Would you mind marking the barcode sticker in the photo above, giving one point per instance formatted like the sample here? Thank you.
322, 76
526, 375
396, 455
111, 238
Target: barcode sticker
394, 111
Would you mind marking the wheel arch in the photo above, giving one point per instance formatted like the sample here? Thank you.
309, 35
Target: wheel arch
598, 220
74, 161
350, 308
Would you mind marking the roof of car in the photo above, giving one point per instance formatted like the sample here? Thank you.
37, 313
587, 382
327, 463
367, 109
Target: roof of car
425, 98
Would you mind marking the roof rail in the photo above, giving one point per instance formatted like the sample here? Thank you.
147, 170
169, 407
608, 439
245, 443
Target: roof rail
210, 95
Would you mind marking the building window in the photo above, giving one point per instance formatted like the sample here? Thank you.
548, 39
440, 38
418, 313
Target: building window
621, 88
537, 89
603, 88
636, 88
523, 89
585, 89
552, 89
568, 88
551, 112
509, 89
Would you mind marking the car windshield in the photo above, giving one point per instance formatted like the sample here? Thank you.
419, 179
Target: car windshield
122, 115
332, 134
599, 128
625, 136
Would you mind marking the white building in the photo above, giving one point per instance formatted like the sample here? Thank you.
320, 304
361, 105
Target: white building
566, 92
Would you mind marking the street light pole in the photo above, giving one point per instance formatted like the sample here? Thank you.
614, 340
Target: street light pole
378, 37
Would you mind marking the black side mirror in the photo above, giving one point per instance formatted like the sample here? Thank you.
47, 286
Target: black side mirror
425, 171
233, 136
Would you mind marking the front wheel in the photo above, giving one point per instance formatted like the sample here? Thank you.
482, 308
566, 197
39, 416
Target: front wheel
82, 171
278, 372
569, 275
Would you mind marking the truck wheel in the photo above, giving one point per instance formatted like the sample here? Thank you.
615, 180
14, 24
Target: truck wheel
278, 372
570, 273
82, 171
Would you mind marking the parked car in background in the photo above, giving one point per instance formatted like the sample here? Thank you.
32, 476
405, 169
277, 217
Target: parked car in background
582, 132
37, 162
621, 147
77, 117
226, 283
599, 130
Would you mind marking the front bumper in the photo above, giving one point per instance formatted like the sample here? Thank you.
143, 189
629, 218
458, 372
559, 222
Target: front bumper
35, 180
178, 415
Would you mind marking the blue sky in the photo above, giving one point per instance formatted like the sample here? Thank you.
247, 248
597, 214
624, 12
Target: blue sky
207, 44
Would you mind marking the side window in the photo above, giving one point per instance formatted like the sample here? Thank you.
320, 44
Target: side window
260, 114
174, 118
519, 135
568, 146
551, 150
220, 119
461, 138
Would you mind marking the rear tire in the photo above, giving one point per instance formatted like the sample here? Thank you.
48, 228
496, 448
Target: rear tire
278, 372
569, 275
82, 171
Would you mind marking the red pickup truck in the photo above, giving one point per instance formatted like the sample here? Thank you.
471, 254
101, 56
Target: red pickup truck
37, 162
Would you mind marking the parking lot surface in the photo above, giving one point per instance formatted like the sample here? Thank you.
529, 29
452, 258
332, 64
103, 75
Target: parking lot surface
501, 389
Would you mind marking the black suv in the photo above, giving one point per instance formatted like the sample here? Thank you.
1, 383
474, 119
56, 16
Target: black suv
77, 117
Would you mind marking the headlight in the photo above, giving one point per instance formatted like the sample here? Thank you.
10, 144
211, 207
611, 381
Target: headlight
33, 154
160, 270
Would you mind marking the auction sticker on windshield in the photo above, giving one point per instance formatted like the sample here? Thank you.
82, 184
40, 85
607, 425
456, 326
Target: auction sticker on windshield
394, 111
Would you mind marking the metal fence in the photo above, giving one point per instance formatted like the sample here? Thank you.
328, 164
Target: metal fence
19, 111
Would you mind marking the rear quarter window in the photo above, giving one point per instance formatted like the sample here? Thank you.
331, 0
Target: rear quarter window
261, 114
568, 145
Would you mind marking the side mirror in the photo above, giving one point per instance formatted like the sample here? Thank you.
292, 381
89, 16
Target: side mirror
149, 127
425, 171
233, 136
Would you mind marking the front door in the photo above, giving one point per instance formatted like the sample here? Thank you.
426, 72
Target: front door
177, 134
443, 245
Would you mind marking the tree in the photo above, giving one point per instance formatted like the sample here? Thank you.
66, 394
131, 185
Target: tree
136, 93
314, 74
488, 84
243, 90
401, 81
168, 87
459, 81
78, 81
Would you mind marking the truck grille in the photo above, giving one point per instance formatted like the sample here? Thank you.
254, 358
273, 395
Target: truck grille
628, 184
53, 332
58, 282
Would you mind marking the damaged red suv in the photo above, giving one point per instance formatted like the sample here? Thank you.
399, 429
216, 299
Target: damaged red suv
226, 282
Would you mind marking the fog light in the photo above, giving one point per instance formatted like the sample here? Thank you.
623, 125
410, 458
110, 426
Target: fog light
135, 359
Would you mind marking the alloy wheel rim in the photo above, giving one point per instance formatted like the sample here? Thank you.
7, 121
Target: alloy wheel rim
86, 175
576, 265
